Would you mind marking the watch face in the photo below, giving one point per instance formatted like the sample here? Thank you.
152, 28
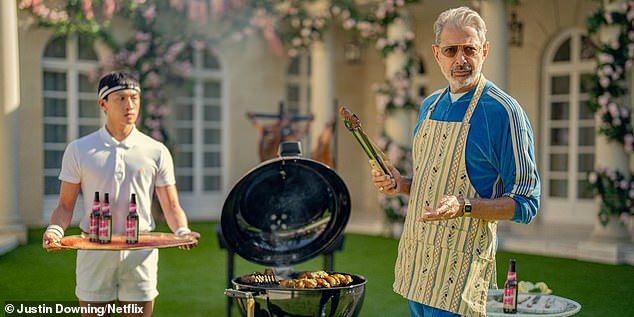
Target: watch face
467, 207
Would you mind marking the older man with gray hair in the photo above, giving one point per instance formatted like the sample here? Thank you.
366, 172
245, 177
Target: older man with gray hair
474, 165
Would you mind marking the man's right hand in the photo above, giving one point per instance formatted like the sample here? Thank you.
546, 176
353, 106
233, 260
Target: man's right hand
386, 184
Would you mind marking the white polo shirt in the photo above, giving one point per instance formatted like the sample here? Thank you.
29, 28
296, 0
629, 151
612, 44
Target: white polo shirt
135, 165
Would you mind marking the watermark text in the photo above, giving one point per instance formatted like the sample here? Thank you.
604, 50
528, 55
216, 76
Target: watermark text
48, 308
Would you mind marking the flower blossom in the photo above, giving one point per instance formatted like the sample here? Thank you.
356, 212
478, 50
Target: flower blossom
604, 99
624, 217
593, 177
604, 82
149, 14
605, 58
177, 4
108, 8
349, 24
152, 80
624, 184
381, 43
394, 152
86, 7
381, 102
157, 134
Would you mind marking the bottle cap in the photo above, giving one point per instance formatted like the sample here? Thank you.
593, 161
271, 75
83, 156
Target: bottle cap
106, 198
96, 196
133, 199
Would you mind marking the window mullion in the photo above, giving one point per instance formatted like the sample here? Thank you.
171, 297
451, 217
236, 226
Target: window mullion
573, 159
197, 125
71, 91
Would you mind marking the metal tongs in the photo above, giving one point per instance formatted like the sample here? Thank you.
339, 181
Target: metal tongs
378, 160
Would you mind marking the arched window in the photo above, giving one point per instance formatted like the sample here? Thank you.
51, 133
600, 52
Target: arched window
568, 129
69, 103
196, 128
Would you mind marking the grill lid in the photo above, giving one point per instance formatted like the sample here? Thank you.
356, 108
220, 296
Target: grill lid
285, 211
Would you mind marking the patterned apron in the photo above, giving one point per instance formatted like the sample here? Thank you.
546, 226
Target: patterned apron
445, 264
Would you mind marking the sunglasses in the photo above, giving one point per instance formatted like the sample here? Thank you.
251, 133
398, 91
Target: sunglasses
452, 50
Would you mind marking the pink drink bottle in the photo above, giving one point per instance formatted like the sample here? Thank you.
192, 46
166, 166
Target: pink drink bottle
105, 224
132, 223
93, 233
510, 290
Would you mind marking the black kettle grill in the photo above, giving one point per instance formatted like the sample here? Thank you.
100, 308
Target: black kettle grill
286, 211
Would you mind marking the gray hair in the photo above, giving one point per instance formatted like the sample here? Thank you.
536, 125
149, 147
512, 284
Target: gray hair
460, 17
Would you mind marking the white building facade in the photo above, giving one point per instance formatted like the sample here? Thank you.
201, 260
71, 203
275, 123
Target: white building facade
48, 101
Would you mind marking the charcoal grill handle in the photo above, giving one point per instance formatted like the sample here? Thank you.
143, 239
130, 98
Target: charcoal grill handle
238, 293
242, 294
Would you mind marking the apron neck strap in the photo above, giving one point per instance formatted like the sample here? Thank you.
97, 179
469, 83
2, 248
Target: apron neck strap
474, 100
433, 105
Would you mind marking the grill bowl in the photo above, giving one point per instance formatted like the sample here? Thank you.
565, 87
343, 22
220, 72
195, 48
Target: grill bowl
273, 300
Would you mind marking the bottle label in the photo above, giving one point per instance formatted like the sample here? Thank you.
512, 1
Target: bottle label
105, 230
94, 222
509, 303
509, 296
132, 230
94, 228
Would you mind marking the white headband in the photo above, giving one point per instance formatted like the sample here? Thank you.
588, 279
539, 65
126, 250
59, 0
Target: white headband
105, 91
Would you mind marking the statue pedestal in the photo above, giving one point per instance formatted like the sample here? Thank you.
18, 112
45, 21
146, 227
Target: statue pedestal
613, 231
609, 244
11, 236
604, 252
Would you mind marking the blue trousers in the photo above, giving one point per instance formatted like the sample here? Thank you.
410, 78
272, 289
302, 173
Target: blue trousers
420, 310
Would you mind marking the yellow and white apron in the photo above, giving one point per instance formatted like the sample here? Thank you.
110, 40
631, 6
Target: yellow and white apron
445, 264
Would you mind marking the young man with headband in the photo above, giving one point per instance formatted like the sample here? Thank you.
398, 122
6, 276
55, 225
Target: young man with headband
119, 160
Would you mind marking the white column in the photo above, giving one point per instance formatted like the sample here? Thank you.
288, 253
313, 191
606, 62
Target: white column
322, 97
396, 31
494, 14
610, 154
399, 124
11, 226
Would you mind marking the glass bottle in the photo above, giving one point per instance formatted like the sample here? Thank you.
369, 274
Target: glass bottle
105, 224
510, 290
132, 223
93, 233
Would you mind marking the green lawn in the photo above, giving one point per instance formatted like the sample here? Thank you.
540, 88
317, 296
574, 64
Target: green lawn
191, 283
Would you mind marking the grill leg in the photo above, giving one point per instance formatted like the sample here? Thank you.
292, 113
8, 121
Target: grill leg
329, 254
230, 256
230, 261
329, 262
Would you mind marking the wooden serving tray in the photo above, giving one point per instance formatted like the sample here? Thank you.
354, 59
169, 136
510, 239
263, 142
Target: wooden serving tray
147, 240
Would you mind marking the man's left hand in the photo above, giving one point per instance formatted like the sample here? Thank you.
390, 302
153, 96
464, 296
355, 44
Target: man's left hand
449, 207
190, 246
